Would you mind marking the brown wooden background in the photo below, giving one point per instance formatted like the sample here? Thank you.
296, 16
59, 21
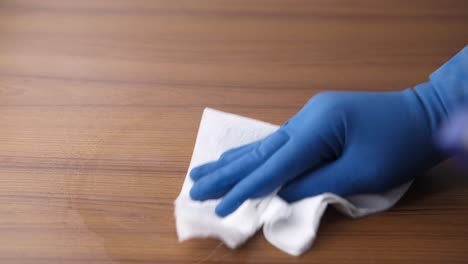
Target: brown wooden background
100, 103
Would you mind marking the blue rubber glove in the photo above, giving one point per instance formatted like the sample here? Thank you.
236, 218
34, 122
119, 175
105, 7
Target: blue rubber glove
339, 142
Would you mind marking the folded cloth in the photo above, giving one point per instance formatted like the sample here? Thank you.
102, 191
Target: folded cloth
290, 227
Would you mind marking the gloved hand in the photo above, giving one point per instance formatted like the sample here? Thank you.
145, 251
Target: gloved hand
339, 142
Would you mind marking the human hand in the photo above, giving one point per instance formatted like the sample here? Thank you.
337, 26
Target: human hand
339, 142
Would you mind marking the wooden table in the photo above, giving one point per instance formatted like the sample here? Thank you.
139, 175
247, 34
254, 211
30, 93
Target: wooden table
100, 103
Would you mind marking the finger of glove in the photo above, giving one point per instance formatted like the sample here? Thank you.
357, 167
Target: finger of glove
227, 157
279, 168
220, 181
289, 162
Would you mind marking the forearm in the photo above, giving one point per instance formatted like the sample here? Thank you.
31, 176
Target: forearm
446, 91
445, 100
451, 81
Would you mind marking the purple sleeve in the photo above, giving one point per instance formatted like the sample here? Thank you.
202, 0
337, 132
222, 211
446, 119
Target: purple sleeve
453, 137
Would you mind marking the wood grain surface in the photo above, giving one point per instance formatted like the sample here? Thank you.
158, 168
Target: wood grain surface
100, 103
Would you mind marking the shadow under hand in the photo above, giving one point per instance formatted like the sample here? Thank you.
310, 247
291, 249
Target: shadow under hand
443, 180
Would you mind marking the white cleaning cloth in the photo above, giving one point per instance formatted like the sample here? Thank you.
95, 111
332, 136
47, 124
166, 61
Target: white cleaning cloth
290, 227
